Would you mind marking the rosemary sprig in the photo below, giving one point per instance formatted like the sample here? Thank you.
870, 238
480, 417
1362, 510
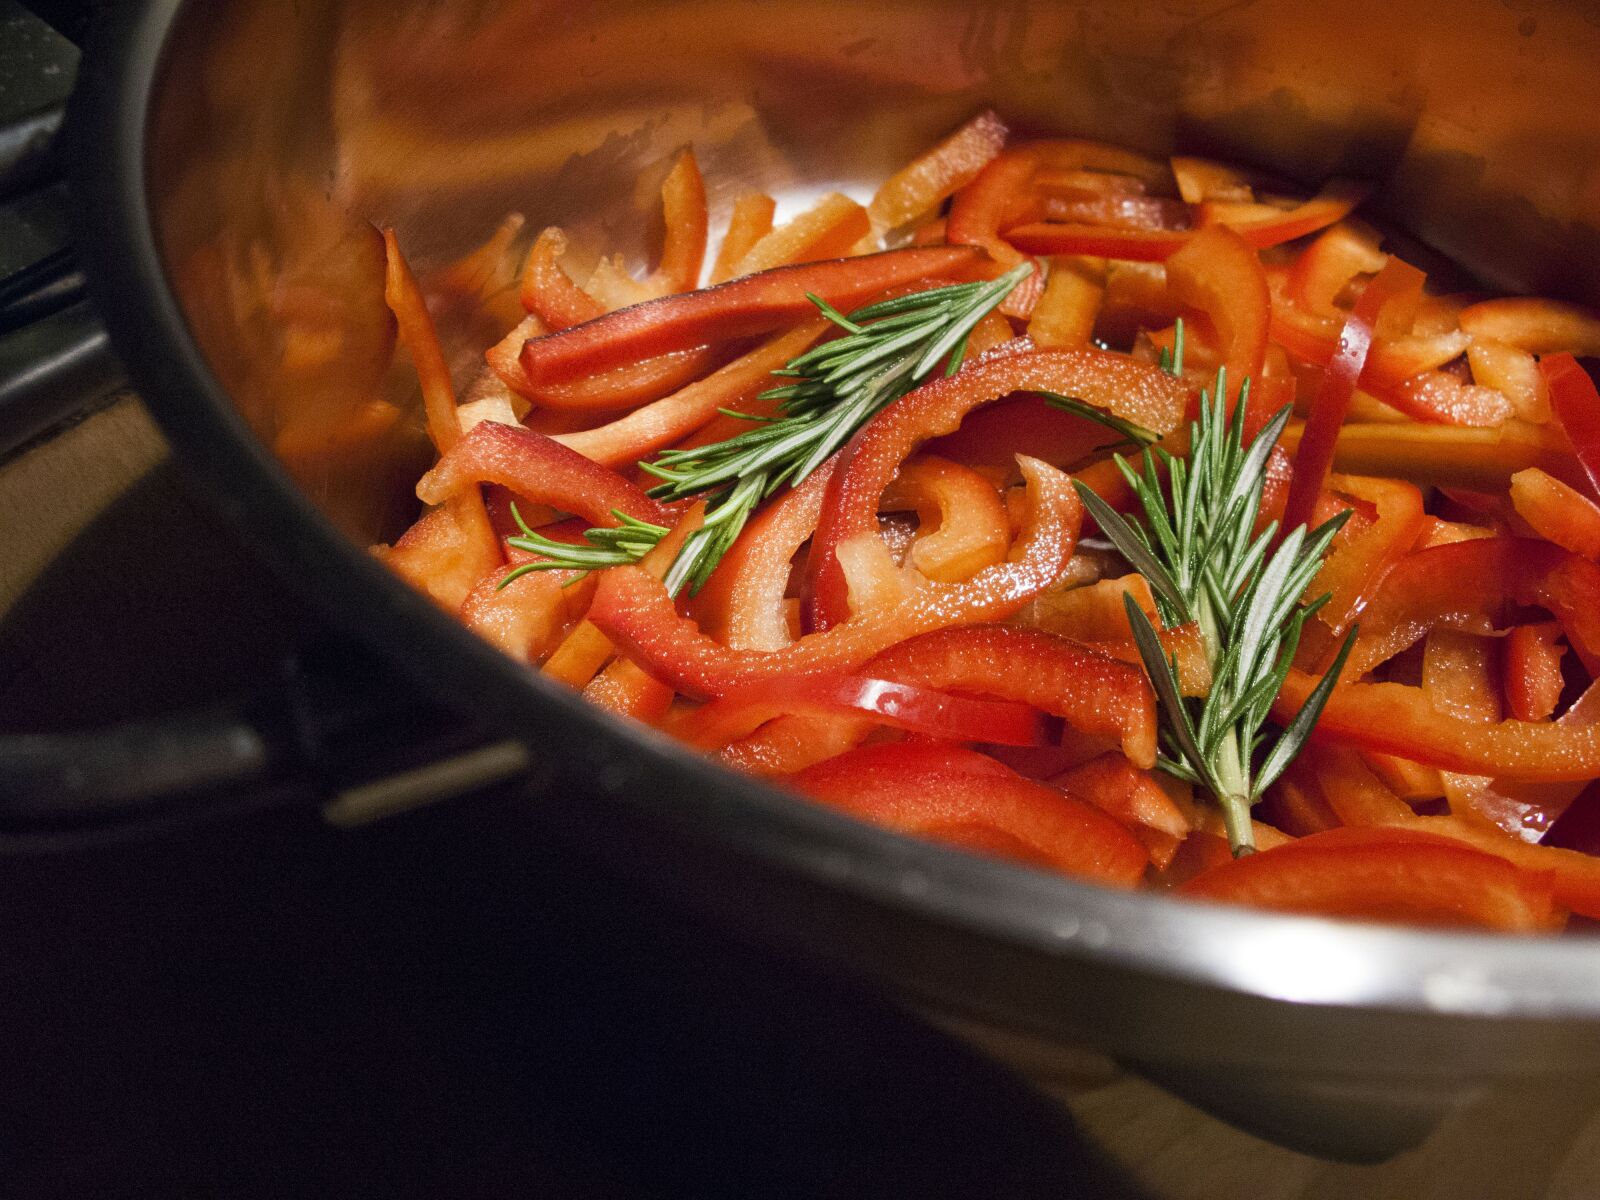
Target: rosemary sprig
887, 349
1195, 546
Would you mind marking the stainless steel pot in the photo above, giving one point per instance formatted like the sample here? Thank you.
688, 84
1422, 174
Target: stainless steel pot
216, 140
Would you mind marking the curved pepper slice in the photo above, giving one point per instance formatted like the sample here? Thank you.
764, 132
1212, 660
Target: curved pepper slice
745, 307
1531, 663
957, 796
742, 603
963, 526
1134, 391
1333, 204
1472, 584
635, 611
541, 470
1577, 408
1219, 273
899, 705
919, 186
1386, 874
1556, 512
662, 422
1313, 458
1091, 691
1395, 719
548, 292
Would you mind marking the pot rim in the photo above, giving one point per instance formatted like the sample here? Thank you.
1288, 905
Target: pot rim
1303, 960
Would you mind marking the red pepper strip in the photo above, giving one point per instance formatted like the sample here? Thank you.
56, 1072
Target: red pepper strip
1400, 720
1577, 408
1327, 266
948, 794
548, 291
541, 469
1556, 512
1133, 391
621, 387
994, 435
1218, 273
446, 552
624, 689
1352, 574
1386, 874
1335, 202
746, 307
792, 744
963, 522
1314, 457
1531, 664
1091, 691
831, 228
637, 613
1471, 584
422, 342
748, 223
897, 705
523, 619
1114, 785
1390, 362
927, 180
1544, 327
663, 422
683, 208
1441, 397
742, 604
1073, 205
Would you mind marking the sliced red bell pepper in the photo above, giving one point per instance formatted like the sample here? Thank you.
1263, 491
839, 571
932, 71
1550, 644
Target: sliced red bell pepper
624, 689
417, 334
1577, 408
1471, 584
548, 292
1531, 665
1132, 796
1091, 691
1356, 568
1134, 391
963, 526
1400, 720
748, 223
742, 604
1556, 512
1440, 396
831, 228
664, 421
1332, 205
637, 613
621, 387
542, 470
1218, 273
945, 793
1314, 456
1386, 874
683, 210
745, 307
897, 705
926, 181
1539, 326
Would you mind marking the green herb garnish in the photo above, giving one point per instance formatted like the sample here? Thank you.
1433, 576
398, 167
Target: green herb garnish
887, 349
1196, 548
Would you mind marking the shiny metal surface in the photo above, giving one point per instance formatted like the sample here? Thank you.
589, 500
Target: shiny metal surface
275, 131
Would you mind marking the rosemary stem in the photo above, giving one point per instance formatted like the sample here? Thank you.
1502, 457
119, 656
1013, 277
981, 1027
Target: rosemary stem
1231, 766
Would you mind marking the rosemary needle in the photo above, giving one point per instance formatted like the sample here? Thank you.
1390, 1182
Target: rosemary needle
886, 349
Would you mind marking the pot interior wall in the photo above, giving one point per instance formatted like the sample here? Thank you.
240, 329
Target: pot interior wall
280, 129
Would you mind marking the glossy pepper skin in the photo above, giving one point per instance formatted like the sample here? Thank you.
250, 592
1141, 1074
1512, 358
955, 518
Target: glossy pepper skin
958, 796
